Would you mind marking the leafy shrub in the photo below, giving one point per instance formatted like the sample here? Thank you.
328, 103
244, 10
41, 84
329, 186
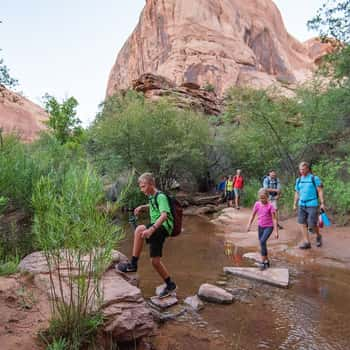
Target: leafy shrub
131, 133
71, 231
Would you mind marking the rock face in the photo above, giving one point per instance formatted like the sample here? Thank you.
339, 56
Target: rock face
21, 116
188, 95
218, 42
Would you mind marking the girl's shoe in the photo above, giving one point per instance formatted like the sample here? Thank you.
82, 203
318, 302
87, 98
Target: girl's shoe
264, 265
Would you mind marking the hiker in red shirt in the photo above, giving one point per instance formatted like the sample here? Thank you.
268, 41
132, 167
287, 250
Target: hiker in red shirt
238, 184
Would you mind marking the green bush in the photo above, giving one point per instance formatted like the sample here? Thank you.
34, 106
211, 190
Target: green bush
250, 195
70, 230
132, 133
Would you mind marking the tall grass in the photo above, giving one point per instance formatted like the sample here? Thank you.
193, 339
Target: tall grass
73, 234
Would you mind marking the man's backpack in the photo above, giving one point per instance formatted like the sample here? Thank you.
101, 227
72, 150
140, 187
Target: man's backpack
176, 212
263, 180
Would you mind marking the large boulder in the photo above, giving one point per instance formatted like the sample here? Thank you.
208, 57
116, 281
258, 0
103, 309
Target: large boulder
214, 294
212, 43
126, 314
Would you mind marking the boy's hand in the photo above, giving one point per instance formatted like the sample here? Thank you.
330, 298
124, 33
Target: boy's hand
248, 228
277, 234
147, 233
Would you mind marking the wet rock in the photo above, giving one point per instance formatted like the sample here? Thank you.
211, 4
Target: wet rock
214, 294
252, 256
241, 294
221, 283
209, 209
194, 302
164, 303
274, 276
174, 313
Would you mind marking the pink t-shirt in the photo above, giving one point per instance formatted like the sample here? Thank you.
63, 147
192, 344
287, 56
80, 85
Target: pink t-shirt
264, 212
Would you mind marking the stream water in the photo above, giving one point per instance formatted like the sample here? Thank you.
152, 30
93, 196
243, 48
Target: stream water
313, 313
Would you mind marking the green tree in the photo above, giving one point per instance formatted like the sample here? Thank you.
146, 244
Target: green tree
131, 132
5, 77
63, 122
333, 20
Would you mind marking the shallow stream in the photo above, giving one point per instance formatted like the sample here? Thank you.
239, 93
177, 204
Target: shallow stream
313, 313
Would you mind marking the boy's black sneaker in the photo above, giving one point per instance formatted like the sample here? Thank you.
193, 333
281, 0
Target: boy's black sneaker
319, 241
168, 290
305, 245
127, 267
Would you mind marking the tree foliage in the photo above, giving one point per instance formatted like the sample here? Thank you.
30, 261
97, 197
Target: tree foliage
131, 132
5, 77
63, 122
333, 20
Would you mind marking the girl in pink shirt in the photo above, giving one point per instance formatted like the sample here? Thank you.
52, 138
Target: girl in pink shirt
267, 222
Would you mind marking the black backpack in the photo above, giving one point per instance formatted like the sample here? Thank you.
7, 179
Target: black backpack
176, 211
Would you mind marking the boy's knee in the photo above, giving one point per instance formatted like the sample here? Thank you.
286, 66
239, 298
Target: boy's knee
155, 261
139, 230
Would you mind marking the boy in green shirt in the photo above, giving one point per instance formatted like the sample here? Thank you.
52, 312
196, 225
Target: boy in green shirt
155, 233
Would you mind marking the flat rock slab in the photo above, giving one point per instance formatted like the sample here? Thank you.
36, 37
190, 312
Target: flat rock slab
164, 303
275, 276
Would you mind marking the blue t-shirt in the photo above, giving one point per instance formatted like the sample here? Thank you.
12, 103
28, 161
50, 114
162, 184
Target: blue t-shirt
221, 186
308, 196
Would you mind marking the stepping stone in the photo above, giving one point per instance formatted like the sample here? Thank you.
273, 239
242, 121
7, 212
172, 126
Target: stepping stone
194, 302
164, 303
252, 256
275, 276
214, 294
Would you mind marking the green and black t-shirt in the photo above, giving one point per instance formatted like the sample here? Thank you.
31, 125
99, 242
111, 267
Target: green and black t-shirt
162, 205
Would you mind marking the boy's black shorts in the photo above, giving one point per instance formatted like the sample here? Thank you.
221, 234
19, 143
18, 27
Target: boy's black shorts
156, 241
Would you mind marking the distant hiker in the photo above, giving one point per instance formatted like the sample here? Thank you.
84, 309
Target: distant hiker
267, 223
272, 184
221, 189
229, 191
309, 197
238, 184
155, 233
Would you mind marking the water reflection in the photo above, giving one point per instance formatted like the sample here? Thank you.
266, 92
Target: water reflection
314, 313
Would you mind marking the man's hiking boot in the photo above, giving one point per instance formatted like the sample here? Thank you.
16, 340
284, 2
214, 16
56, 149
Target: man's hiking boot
168, 290
305, 245
319, 241
127, 267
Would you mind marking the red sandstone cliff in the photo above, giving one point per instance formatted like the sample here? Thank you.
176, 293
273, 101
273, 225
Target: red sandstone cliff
21, 116
221, 42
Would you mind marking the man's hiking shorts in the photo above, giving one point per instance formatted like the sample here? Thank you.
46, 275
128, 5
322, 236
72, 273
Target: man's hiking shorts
308, 216
156, 241
274, 203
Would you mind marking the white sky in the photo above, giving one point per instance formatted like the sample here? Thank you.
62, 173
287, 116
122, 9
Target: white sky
67, 47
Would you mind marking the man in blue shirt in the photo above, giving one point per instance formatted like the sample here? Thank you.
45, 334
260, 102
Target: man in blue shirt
272, 184
309, 197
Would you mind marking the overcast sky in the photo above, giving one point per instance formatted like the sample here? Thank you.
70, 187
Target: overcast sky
67, 47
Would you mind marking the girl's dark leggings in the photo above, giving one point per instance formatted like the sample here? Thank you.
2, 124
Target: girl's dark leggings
264, 234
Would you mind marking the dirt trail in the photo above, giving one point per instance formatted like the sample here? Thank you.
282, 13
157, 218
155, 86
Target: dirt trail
334, 252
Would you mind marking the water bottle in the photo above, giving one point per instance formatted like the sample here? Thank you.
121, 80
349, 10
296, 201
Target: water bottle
325, 218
